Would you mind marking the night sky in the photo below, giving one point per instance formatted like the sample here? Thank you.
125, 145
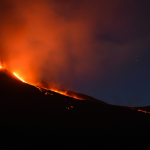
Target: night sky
95, 47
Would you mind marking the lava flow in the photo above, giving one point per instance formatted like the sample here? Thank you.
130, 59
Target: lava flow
66, 93
144, 111
147, 112
62, 92
52, 89
19, 77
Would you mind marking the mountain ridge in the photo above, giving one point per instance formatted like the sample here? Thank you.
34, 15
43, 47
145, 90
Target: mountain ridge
25, 111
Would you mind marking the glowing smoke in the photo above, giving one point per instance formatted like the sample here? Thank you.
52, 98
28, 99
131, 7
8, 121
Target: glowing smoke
68, 44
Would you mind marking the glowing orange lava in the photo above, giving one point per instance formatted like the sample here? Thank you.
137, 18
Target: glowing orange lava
144, 111
52, 89
60, 92
19, 77
147, 112
66, 94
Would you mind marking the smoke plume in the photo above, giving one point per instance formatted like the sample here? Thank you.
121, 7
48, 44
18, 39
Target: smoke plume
73, 45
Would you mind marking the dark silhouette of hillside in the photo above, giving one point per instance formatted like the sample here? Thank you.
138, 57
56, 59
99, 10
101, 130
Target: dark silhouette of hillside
25, 111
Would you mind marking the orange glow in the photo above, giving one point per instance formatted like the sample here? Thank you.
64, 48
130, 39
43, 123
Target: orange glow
0, 66
144, 111
64, 92
19, 77
40, 42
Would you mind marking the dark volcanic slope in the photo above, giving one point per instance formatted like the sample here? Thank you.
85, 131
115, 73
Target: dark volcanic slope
25, 111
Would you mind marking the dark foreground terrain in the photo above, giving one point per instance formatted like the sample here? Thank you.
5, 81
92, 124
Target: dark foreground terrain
26, 112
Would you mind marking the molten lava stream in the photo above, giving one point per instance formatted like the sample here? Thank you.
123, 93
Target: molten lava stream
19, 77
54, 90
144, 111
61, 92
65, 93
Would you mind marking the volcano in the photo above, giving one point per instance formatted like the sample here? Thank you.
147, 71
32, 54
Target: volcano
26, 111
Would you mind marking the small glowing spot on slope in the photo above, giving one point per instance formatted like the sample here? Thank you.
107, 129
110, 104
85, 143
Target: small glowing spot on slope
19, 77
144, 111
147, 112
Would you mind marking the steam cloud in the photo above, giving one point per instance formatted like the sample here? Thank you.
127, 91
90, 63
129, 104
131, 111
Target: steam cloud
73, 45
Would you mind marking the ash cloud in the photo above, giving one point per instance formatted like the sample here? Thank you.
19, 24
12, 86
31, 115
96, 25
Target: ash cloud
76, 45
